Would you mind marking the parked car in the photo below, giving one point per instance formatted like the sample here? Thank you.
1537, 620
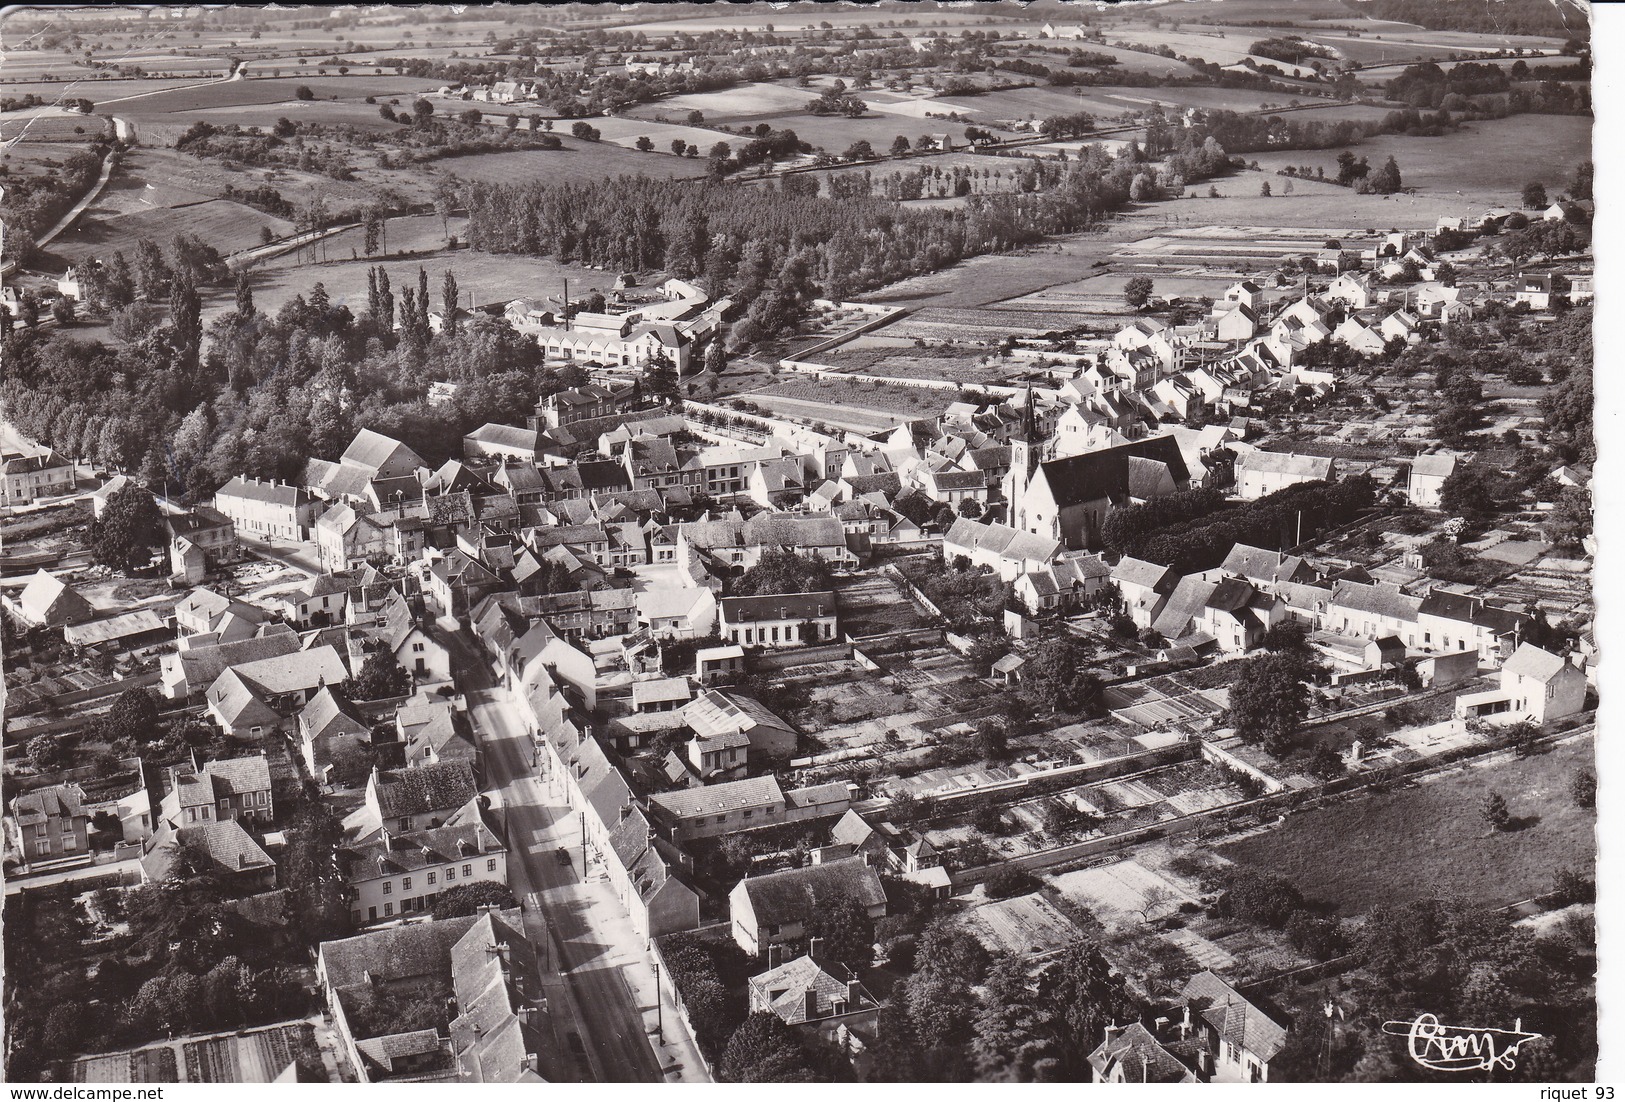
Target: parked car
563, 855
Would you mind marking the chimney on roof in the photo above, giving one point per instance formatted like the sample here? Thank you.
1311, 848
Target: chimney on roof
813, 945
775, 955
854, 992
1112, 1030
1185, 1023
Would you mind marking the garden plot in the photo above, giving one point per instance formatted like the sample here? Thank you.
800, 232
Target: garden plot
1029, 925
1123, 893
1147, 705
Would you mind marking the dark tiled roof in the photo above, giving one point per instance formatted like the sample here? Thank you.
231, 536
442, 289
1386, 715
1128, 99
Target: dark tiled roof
782, 898
444, 786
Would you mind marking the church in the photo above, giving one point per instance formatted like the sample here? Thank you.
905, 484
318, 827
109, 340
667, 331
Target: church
1067, 499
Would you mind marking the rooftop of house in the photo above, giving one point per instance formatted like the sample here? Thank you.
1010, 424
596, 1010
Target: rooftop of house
442, 786
780, 898
717, 799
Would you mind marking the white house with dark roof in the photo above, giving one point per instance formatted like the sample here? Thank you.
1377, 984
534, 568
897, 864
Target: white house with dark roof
770, 909
777, 620
1427, 478
394, 874
47, 601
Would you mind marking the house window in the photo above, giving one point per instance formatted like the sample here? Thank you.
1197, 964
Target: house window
775, 634
432, 877
748, 811
406, 824
468, 870
68, 840
389, 887
389, 909
491, 864
451, 874
406, 883
42, 848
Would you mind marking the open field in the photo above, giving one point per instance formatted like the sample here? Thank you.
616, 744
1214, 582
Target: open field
804, 16
576, 161
1504, 154
226, 225
488, 277
1429, 838
625, 132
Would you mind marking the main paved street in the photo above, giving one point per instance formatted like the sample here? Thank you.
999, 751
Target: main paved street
610, 993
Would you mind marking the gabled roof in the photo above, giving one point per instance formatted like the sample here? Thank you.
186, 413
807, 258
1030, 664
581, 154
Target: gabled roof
716, 712
1532, 662
782, 898
1286, 463
1378, 600
1106, 473
329, 714
410, 952
1238, 1020
48, 599
777, 606
786, 990
715, 799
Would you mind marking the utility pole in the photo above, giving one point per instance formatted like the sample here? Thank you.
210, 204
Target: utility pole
660, 1018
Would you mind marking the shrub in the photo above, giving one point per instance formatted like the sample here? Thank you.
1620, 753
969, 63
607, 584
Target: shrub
1009, 880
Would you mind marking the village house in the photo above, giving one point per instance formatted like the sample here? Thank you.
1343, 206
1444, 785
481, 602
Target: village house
420, 798
333, 739
270, 510
1427, 478
1144, 587
201, 542
315, 603
46, 601
1536, 685
229, 853
397, 874
498, 1036
772, 909
718, 715
352, 970
1214, 1034
252, 698
778, 619
218, 791
821, 997
1261, 473
1007, 551
27, 476
374, 472
1373, 611
677, 613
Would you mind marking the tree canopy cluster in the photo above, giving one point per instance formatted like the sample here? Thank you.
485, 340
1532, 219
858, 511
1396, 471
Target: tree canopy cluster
1272, 521
774, 249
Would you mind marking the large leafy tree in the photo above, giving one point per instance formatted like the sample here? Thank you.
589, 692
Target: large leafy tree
1085, 996
1016, 1037
379, 678
124, 536
782, 571
1053, 678
1269, 699
134, 717
766, 1050
843, 928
